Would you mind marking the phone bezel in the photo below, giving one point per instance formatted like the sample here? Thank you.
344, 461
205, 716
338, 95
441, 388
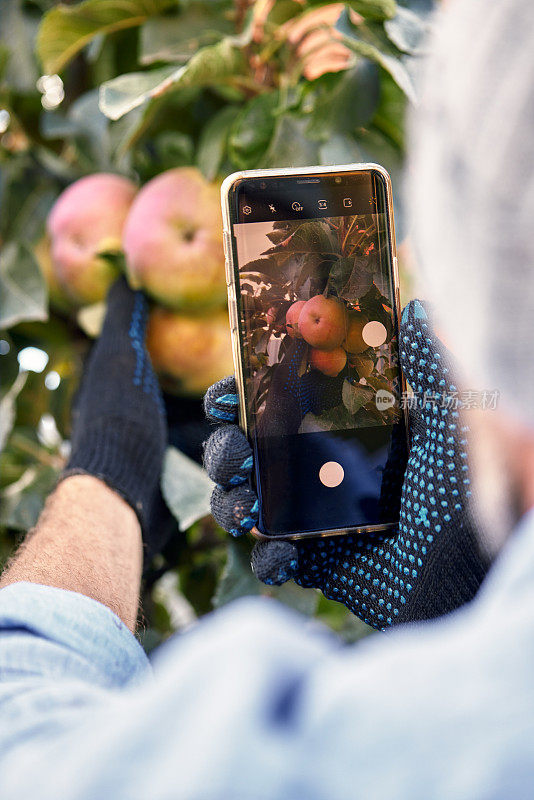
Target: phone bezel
227, 189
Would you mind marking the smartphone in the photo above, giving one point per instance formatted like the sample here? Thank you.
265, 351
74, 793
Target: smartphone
314, 309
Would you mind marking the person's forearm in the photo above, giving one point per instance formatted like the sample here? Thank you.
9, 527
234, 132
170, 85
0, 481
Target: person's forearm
87, 540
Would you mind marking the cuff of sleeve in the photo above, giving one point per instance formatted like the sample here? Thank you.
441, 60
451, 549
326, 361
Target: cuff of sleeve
84, 638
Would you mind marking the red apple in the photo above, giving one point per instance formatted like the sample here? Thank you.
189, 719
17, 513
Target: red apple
292, 319
190, 351
323, 322
174, 243
87, 220
329, 362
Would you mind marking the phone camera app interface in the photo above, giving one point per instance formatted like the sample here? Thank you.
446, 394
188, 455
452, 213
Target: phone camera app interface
320, 349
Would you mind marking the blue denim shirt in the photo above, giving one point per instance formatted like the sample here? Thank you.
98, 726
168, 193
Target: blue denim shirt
255, 702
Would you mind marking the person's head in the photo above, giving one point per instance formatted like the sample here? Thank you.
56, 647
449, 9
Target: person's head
472, 201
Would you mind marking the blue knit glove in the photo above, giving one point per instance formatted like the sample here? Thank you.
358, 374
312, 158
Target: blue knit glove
119, 430
431, 565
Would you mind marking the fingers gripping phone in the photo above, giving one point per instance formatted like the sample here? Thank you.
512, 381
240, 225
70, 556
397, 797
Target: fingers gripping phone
314, 309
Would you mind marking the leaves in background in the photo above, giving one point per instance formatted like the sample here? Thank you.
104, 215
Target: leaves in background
197, 83
185, 487
253, 130
87, 128
237, 579
290, 145
23, 501
65, 30
374, 9
345, 102
335, 419
407, 31
355, 395
377, 10
213, 142
177, 38
368, 42
218, 64
23, 294
341, 149
16, 37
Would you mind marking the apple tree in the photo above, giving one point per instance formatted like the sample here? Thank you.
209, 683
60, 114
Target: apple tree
135, 90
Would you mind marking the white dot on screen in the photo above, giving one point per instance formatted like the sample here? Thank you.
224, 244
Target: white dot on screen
374, 333
331, 474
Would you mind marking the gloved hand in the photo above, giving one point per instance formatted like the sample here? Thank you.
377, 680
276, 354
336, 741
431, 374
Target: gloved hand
119, 430
431, 565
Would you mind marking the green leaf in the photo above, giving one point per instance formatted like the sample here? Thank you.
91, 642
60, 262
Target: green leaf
374, 9
23, 294
407, 31
179, 37
211, 66
65, 30
121, 95
237, 579
27, 223
355, 395
312, 236
16, 35
85, 126
175, 612
304, 601
389, 116
213, 140
345, 101
283, 10
253, 130
341, 149
185, 487
23, 501
9, 365
366, 41
369, 9
335, 419
172, 149
290, 145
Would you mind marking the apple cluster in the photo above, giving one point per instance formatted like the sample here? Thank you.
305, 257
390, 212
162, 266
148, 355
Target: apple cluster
334, 332
168, 238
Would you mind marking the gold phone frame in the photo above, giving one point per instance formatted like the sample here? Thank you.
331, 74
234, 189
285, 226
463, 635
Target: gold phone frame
231, 265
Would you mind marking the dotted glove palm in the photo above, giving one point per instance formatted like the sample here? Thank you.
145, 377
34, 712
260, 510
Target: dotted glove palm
431, 565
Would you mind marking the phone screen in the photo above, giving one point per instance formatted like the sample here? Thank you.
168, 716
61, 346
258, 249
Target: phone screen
318, 339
